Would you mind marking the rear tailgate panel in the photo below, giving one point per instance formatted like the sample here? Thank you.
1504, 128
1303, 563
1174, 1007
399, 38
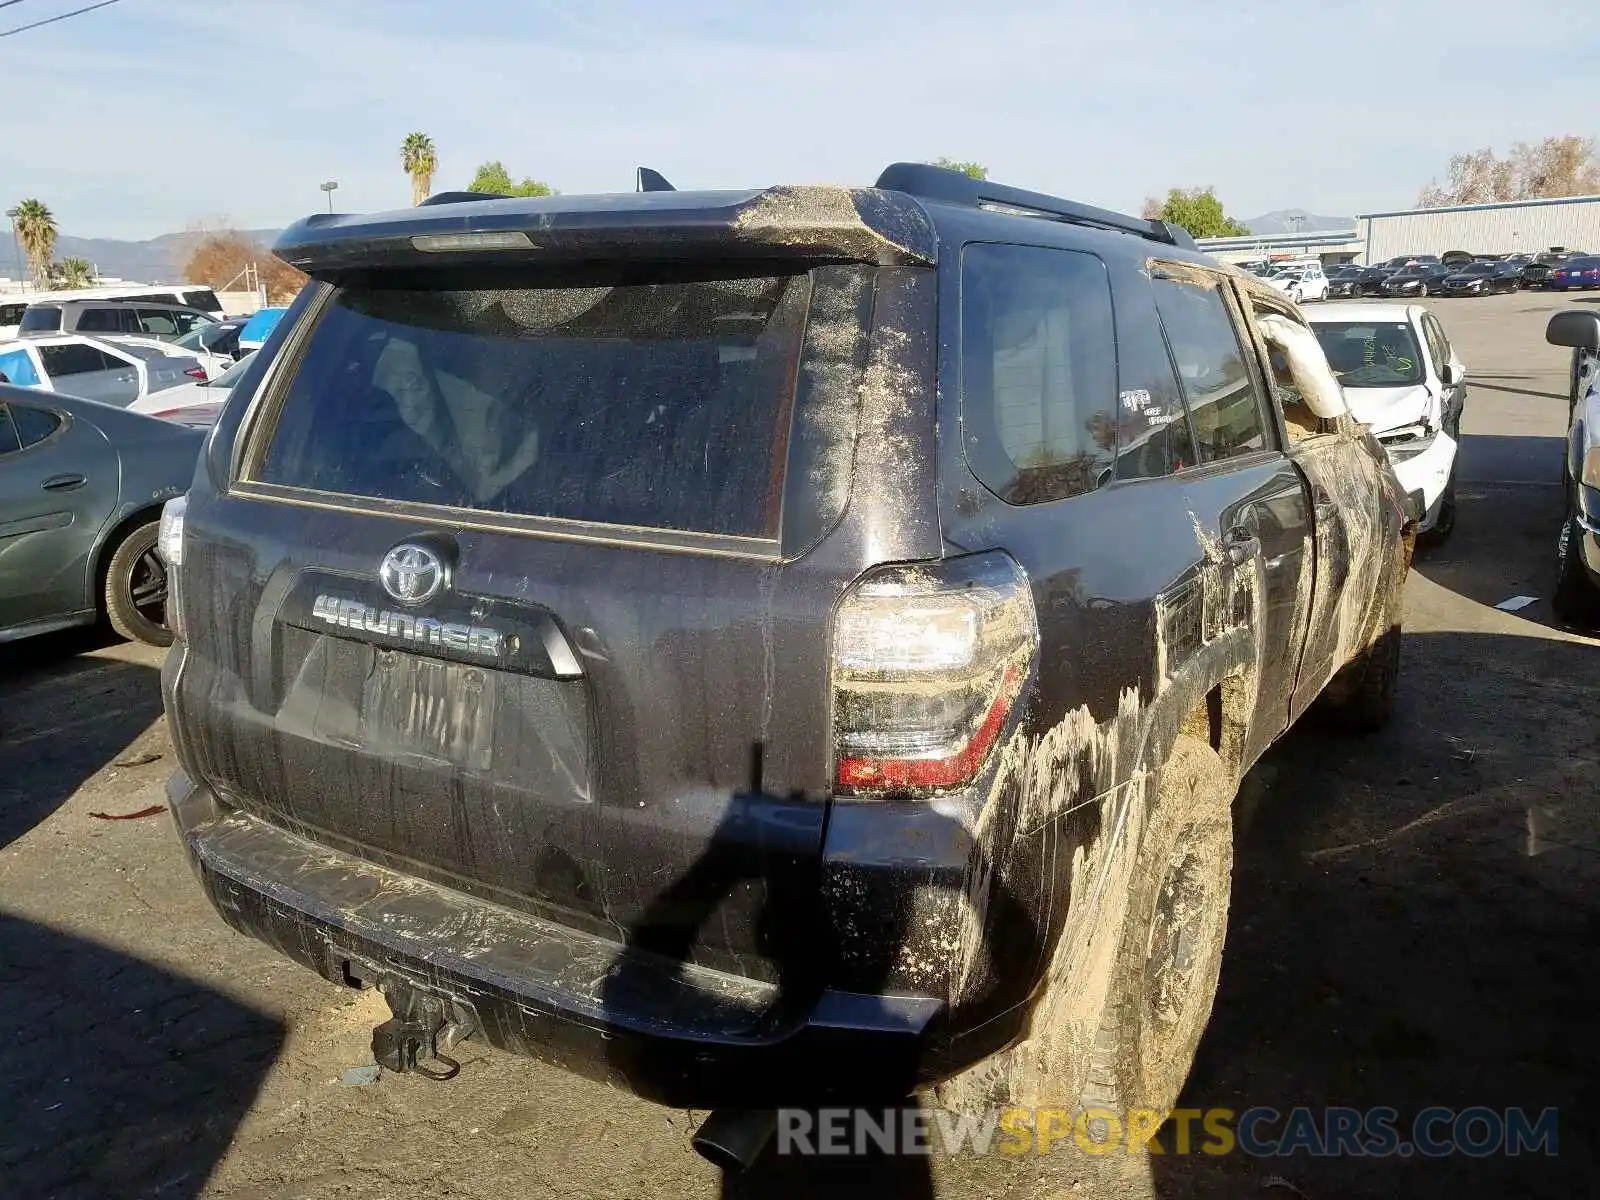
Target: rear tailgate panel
673, 794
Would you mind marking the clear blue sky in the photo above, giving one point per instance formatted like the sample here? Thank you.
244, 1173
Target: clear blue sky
152, 114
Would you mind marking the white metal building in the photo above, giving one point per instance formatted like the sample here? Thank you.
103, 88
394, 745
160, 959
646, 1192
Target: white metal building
1330, 245
1526, 226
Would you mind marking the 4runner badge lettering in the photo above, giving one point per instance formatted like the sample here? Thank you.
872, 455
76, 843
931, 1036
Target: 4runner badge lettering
344, 613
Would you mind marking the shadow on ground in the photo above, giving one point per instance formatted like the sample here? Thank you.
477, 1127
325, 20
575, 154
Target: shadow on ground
1413, 921
120, 1078
1509, 514
64, 714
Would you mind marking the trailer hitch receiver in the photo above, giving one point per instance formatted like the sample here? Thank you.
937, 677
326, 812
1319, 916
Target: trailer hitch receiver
424, 1029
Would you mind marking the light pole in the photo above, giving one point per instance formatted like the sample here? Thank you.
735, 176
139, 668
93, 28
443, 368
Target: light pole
329, 187
11, 213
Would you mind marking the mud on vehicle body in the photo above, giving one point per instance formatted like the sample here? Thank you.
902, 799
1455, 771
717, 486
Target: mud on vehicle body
767, 647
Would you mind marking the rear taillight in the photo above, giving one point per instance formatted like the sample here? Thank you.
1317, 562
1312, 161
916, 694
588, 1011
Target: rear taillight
169, 545
196, 373
927, 664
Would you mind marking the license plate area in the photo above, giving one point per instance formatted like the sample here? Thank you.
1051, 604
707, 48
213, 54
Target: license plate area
424, 708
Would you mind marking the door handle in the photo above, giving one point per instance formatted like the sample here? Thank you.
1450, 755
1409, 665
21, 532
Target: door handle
64, 483
1241, 547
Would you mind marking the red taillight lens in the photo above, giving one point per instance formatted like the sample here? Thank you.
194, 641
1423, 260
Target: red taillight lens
196, 373
928, 662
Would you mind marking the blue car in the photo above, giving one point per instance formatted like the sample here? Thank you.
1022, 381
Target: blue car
1577, 273
257, 329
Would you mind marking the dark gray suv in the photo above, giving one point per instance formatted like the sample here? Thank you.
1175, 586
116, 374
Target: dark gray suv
771, 646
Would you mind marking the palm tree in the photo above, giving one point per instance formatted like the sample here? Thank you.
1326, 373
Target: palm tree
419, 160
36, 230
73, 273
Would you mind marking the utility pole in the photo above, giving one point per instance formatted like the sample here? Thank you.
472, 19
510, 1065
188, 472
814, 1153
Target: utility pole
329, 187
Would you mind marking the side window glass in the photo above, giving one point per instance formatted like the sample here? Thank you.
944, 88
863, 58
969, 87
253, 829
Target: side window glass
1152, 428
158, 322
33, 425
1439, 343
71, 359
17, 367
99, 320
1039, 371
1223, 403
189, 322
8, 434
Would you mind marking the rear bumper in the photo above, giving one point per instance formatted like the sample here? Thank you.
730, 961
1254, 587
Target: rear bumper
677, 1033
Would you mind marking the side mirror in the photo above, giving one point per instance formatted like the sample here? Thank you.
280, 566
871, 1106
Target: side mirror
1449, 375
1580, 330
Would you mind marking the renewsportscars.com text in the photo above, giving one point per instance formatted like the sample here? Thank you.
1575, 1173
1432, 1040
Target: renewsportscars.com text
1261, 1132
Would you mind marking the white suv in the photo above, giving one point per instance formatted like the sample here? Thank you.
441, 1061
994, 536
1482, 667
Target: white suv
1301, 283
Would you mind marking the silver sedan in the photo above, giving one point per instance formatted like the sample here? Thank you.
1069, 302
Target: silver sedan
81, 490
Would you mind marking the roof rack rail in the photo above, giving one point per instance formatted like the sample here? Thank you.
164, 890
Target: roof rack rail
460, 197
953, 187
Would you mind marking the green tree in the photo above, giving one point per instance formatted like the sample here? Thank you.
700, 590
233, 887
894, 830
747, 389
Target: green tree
420, 161
1196, 209
72, 273
976, 170
36, 231
492, 177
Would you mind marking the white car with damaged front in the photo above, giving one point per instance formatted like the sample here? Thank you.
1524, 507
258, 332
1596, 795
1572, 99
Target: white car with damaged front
1403, 379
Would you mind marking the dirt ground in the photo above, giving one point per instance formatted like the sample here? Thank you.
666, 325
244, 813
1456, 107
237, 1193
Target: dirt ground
1413, 923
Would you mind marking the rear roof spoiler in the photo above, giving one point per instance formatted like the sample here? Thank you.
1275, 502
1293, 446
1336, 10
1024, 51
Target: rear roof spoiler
945, 186
800, 223
886, 224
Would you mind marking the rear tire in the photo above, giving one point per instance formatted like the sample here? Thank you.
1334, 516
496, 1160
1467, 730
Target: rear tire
1164, 976
136, 588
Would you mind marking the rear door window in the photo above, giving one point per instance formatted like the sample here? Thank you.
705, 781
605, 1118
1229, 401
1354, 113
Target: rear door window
9, 444
1038, 371
157, 322
74, 359
1224, 402
100, 320
34, 425
661, 401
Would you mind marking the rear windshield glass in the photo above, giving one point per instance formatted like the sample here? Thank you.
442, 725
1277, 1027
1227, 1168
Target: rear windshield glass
204, 299
46, 319
662, 403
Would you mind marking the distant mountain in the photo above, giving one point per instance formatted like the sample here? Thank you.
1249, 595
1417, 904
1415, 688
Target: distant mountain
1296, 220
159, 260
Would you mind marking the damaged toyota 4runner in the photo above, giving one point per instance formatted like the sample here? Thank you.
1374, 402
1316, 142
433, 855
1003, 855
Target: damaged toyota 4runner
769, 647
